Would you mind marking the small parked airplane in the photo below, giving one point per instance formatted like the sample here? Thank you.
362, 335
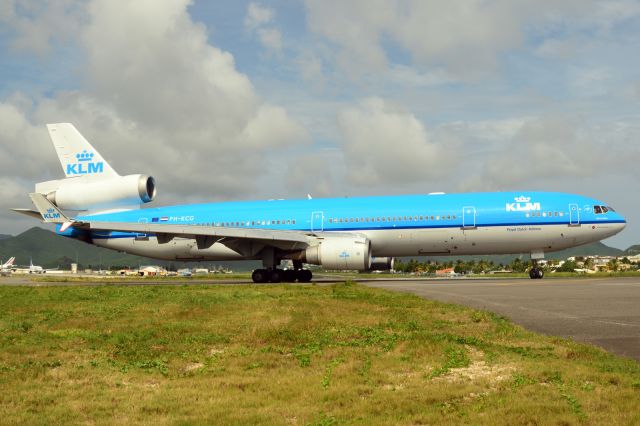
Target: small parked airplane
31, 269
336, 233
5, 268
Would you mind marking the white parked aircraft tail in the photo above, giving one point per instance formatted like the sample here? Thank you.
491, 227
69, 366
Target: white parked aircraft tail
8, 263
77, 156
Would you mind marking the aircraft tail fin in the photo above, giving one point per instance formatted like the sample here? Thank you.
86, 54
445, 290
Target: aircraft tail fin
49, 212
77, 156
9, 263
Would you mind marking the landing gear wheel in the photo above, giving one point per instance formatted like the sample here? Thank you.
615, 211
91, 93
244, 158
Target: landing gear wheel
260, 276
304, 275
276, 275
288, 276
536, 273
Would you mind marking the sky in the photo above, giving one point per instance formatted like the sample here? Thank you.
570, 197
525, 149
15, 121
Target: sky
233, 100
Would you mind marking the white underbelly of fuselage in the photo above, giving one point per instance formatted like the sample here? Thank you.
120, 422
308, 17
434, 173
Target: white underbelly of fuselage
481, 240
400, 242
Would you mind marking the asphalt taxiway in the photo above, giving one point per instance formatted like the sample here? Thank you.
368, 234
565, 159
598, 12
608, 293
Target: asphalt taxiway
604, 312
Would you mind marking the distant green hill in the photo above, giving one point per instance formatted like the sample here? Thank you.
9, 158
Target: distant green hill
5, 236
633, 250
49, 250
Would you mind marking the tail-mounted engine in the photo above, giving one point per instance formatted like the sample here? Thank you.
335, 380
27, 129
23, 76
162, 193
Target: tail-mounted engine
85, 193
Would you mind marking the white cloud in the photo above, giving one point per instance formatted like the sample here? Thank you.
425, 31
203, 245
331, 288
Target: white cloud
270, 38
158, 99
384, 144
36, 24
465, 38
312, 174
257, 16
310, 67
553, 149
257, 21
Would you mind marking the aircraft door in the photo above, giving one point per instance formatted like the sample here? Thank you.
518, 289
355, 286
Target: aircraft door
317, 221
574, 215
468, 217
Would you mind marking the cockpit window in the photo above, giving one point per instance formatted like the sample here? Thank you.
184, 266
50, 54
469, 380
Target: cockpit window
602, 209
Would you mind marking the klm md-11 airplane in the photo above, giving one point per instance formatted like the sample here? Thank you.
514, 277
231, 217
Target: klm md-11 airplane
96, 205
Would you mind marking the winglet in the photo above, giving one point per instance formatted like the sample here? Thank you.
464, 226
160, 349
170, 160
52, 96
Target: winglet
49, 212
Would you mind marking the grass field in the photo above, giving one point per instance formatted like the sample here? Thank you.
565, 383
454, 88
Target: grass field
291, 354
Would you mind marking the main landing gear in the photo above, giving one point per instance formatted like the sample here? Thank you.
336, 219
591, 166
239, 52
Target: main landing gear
270, 272
275, 275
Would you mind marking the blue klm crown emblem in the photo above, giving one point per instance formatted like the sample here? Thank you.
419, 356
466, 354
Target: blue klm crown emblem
85, 164
84, 156
51, 214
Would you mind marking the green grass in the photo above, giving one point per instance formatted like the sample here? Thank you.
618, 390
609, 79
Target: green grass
120, 279
291, 354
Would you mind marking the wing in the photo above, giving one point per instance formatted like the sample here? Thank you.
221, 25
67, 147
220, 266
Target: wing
246, 241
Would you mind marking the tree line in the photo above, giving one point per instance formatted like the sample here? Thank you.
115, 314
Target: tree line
485, 266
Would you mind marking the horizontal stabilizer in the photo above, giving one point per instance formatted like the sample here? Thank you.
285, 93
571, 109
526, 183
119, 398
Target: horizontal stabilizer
49, 213
28, 212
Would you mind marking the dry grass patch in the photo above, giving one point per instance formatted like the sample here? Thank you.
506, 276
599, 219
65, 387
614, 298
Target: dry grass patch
286, 354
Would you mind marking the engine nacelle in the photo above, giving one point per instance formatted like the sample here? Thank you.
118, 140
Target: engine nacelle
93, 194
341, 253
381, 263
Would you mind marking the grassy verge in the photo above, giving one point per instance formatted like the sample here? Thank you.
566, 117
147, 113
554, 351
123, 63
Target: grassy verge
291, 355
126, 279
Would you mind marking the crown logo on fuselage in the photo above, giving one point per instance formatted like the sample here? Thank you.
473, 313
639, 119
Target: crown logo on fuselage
522, 204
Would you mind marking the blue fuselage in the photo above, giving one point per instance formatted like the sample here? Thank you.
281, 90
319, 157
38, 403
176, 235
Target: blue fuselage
502, 222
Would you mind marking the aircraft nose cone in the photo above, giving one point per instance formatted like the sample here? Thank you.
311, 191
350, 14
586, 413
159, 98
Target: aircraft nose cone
620, 226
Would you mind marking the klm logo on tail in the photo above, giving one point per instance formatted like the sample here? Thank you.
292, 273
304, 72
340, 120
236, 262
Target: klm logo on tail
522, 204
51, 214
85, 165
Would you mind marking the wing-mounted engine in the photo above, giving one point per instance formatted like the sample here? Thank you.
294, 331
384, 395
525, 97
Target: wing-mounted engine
340, 253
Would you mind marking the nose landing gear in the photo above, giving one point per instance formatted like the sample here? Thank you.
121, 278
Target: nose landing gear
536, 273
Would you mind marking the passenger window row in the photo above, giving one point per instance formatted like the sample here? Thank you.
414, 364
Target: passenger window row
249, 223
545, 214
391, 219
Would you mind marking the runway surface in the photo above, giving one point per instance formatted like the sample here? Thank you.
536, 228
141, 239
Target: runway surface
605, 312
